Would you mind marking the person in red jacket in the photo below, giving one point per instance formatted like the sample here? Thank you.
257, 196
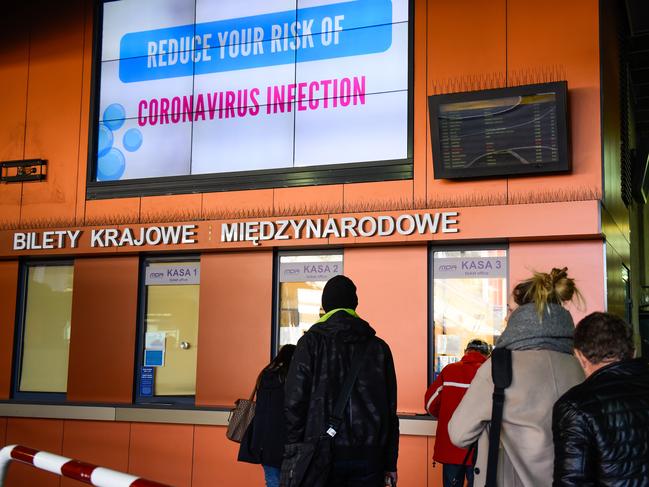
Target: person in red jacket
441, 399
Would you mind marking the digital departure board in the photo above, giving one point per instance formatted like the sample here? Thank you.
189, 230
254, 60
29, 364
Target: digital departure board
500, 132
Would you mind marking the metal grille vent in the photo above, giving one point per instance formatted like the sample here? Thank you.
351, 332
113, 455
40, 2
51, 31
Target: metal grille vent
625, 150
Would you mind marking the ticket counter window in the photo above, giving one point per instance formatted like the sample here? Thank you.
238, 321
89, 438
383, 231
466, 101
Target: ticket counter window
469, 301
170, 338
302, 277
45, 328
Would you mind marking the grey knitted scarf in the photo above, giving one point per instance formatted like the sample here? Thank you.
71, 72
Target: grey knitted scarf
525, 331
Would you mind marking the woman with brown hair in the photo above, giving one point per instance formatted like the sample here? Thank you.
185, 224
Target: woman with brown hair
539, 333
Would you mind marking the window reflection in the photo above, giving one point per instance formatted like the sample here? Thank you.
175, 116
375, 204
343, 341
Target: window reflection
46, 336
469, 300
302, 278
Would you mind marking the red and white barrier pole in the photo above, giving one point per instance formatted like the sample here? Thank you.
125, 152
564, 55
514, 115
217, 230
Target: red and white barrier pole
66, 467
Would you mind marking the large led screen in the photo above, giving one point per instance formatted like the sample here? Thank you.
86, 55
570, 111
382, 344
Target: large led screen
192, 87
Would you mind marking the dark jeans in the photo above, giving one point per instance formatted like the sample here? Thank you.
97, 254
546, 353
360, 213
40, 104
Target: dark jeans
454, 475
271, 474
356, 473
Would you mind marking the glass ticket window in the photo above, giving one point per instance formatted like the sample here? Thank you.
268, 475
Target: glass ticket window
170, 331
302, 277
469, 300
45, 328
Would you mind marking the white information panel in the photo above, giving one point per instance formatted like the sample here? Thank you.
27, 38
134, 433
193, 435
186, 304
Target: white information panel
470, 267
213, 86
309, 271
173, 274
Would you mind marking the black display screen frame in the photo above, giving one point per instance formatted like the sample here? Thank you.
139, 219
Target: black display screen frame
563, 165
335, 173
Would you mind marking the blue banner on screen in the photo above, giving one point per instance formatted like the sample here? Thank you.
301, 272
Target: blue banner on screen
257, 41
214, 86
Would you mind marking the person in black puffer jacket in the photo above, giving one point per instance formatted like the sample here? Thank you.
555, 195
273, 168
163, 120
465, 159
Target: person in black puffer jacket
365, 447
601, 427
264, 440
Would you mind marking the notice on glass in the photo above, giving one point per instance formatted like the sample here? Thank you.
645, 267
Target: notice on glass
449, 345
154, 358
154, 340
146, 381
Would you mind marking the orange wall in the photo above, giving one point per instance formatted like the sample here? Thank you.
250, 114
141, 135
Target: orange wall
97, 442
53, 110
215, 461
14, 35
584, 260
102, 341
179, 455
392, 296
555, 35
465, 39
491, 43
40, 434
235, 312
162, 452
42, 105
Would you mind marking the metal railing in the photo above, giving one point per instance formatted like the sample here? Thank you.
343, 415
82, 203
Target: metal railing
67, 467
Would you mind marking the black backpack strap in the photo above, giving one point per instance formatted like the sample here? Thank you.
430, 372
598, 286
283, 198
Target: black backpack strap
471, 453
357, 361
501, 373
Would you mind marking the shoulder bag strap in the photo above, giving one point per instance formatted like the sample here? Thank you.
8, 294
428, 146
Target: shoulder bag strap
470, 454
256, 388
357, 361
501, 373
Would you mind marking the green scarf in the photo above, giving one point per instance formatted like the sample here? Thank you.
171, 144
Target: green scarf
326, 316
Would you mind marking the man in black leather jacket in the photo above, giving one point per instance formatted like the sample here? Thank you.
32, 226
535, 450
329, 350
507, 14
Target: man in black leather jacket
601, 427
366, 445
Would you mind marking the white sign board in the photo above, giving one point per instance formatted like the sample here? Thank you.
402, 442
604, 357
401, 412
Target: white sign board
470, 267
309, 271
173, 274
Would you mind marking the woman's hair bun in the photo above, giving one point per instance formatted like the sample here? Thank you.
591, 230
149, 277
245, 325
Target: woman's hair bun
545, 288
563, 286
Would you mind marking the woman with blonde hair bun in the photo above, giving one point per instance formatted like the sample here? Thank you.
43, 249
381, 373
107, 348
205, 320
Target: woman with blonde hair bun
539, 333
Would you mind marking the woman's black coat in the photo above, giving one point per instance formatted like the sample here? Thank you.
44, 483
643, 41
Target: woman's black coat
264, 441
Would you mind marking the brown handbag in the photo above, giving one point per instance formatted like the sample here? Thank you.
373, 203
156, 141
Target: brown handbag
241, 416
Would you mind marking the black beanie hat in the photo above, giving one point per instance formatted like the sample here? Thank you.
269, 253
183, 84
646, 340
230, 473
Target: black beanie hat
339, 292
